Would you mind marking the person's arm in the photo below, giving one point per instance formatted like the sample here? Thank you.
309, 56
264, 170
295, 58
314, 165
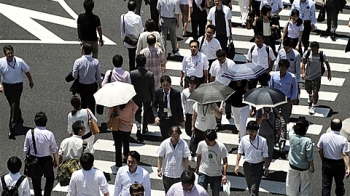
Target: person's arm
25, 187
182, 74
194, 117
294, 88
29, 76
238, 158
177, 16
105, 79
299, 40
230, 5
55, 159
249, 55
313, 16
259, 118
216, 111
184, 103
329, 71
199, 159
297, 66
303, 73
267, 164
320, 152
159, 165
155, 104
122, 27
284, 33
224, 170
229, 17
99, 30
186, 162
271, 58
79, 32
347, 164
250, 5
59, 159
147, 184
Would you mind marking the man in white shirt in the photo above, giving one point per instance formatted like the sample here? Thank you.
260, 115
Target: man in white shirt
195, 64
173, 156
333, 149
88, 181
72, 147
220, 15
11, 72
131, 24
255, 150
209, 45
187, 104
210, 154
131, 173
14, 164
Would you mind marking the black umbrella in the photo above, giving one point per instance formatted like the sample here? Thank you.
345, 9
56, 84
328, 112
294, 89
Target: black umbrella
264, 97
211, 92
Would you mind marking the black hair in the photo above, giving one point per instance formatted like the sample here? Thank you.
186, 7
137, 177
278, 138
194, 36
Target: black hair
259, 35
220, 53
134, 188
284, 63
314, 44
75, 101
194, 41
40, 119
193, 80
300, 128
265, 9
188, 177
87, 48
150, 25
132, 5
336, 124
8, 47
14, 164
296, 12
134, 154
117, 60
165, 78
174, 129
288, 42
89, 6
211, 135
253, 125
87, 161
212, 27
77, 126
151, 39
141, 60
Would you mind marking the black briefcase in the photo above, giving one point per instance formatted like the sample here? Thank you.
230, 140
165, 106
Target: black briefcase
321, 15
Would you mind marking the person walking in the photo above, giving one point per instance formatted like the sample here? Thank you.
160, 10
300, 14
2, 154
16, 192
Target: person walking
143, 82
294, 30
117, 73
255, 150
187, 186
333, 149
187, 104
88, 23
87, 69
88, 181
173, 156
209, 45
184, 16
301, 160
332, 8
197, 16
150, 28
45, 146
11, 71
131, 24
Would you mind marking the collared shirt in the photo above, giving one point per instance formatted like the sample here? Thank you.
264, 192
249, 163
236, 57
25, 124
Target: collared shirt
88, 70
155, 60
228, 16
87, 183
82, 114
275, 5
126, 116
209, 48
118, 74
260, 57
173, 157
125, 179
288, 84
168, 103
11, 180
212, 157
142, 42
133, 26
206, 118
306, 9
301, 150
168, 8
187, 104
217, 70
293, 56
177, 190
254, 151
333, 145
44, 140
294, 30
195, 65
12, 72
72, 147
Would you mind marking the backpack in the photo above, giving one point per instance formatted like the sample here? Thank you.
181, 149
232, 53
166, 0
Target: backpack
12, 191
267, 51
66, 169
323, 69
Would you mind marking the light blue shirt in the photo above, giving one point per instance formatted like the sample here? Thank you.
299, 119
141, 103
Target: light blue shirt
288, 84
88, 70
301, 150
307, 10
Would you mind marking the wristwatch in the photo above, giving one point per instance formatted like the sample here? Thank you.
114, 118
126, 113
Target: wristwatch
158, 170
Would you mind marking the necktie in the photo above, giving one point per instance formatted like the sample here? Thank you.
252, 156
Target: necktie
165, 103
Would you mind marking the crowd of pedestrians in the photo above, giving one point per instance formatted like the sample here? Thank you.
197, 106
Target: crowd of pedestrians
170, 108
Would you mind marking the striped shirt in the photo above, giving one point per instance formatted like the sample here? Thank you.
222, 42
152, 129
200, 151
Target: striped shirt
155, 58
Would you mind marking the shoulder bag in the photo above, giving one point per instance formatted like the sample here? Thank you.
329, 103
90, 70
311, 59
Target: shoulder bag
92, 124
129, 39
32, 166
113, 122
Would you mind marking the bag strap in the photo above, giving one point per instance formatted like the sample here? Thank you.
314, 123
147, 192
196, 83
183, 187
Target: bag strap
89, 115
4, 186
19, 182
84, 147
33, 138
321, 57
202, 41
251, 52
110, 77
123, 23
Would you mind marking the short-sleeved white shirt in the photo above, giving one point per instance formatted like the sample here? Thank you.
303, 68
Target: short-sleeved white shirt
333, 145
207, 121
12, 72
11, 180
254, 151
294, 30
173, 158
72, 147
209, 48
195, 65
218, 69
260, 57
211, 158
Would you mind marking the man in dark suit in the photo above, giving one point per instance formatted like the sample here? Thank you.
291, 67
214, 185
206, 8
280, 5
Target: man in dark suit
166, 107
143, 82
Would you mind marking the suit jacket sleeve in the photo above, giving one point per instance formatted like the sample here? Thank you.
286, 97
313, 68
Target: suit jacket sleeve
179, 107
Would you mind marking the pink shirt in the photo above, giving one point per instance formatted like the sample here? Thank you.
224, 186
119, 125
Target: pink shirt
118, 74
126, 116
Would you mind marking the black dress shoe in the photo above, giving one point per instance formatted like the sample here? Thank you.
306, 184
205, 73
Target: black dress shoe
145, 130
333, 38
12, 136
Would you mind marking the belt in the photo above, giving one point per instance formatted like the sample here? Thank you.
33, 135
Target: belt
333, 160
253, 164
167, 17
297, 168
12, 83
307, 20
168, 118
86, 136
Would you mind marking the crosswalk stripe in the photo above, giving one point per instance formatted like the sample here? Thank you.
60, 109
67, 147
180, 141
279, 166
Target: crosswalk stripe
304, 110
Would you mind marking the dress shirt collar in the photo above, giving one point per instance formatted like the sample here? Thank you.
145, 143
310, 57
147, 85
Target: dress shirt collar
77, 136
335, 132
87, 56
130, 12
168, 91
41, 128
118, 68
172, 143
195, 55
137, 171
15, 175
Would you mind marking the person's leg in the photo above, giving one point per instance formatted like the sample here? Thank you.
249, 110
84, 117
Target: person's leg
84, 95
173, 37
154, 13
247, 175
138, 112
306, 36
305, 182
194, 25
132, 56
126, 145
327, 177
117, 137
316, 85
37, 186
90, 96
329, 17
94, 45
215, 184
201, 26
146, 115
47, 167
203, 180
257, 172
188, 124
338, 174
264, 79
237, 116
293, 182
164, 32
243, 121
13, 95
184, 17
168, 182
270, 139
228, 110
138, 7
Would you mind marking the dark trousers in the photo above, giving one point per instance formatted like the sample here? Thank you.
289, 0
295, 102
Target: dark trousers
132, 56
121, 138
199, 81
253, 174
188, 124
294, 44
146, 112
13, 94
333, 169
87, 92
199, 136
168, 182
332, 16
214, 181
263, 80
165, 125
47, 167
270, 42
154, 12
306, 35
200, 23
256, 8
223, 40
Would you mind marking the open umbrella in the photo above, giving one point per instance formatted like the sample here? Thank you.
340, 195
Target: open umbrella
115, 93
264, 97
244, 72
211, 92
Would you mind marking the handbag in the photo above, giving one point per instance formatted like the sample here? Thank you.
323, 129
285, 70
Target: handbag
321, 15
75, 88
129, 39
231, 50
32, 166
193, 143
113, 122
92, 124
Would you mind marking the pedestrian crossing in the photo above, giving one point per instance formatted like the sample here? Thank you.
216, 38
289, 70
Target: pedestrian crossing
278, 166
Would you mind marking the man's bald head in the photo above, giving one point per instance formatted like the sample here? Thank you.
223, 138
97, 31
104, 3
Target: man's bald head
336, 124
